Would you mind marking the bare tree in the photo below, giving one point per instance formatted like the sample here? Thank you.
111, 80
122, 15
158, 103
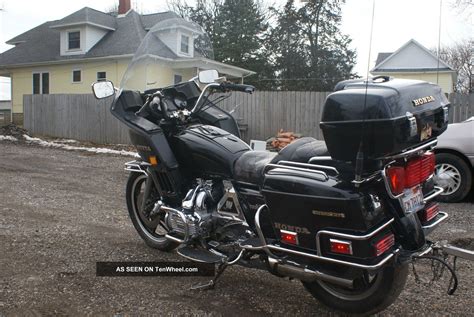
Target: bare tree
460, 56
464, 8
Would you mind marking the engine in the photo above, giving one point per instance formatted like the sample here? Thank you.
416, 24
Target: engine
206, 207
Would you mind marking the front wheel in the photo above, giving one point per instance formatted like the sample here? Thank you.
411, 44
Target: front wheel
152, 231
376, 293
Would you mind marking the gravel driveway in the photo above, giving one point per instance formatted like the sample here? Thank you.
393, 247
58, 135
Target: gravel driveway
63, 211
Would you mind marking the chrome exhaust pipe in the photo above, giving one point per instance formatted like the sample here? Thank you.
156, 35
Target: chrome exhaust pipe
307, 275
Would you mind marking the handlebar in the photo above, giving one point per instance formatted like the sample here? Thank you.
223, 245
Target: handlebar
154, 99
237, 87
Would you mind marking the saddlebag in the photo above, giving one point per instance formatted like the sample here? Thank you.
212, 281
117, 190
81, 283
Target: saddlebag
389, 115
305, 204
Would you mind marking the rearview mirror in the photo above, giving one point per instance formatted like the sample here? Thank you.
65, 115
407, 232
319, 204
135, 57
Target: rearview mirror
103, 89
208, 76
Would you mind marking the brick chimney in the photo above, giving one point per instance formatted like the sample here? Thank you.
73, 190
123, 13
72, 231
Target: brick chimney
124, 6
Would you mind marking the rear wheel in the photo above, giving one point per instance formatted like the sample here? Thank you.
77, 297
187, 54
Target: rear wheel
151, 230
454, 176
372, 294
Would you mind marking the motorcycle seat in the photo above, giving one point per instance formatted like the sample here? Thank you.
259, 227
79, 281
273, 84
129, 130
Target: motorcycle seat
302, 150
249, 166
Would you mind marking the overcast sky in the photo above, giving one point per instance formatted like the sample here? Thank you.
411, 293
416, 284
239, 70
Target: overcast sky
396, 22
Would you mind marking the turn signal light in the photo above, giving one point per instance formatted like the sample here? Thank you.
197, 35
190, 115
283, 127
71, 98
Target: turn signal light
153, 160
396, 177
289, 237
430, 212
340, 246
384, 244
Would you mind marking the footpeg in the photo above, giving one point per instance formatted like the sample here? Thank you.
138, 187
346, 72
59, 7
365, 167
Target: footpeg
251, 243
201, 255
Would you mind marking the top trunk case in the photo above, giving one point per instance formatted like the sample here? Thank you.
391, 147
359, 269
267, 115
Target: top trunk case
388, 115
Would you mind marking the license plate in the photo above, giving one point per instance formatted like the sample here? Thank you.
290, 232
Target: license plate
412, 199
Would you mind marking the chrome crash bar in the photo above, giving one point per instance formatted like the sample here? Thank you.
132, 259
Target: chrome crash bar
443, 215
136, 166
348, 236
437, 191
268, 248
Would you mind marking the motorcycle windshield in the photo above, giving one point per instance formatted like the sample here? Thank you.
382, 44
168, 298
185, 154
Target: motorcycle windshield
173, 50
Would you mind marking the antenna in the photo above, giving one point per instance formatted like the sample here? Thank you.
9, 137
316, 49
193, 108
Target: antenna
360, 153
439, 39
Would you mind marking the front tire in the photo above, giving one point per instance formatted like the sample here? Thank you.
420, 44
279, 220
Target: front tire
152, 231
377, 295
454, 176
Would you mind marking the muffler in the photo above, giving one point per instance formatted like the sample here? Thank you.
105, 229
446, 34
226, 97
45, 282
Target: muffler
307, 275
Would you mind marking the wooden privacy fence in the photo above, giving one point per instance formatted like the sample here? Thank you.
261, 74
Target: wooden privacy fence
261, 115
79, 117
264, 113
462, 107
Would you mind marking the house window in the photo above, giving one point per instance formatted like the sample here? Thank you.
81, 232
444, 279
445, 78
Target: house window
36, 84
184, 44
101, 76
76, 76
74, 40
40, 83
178, 79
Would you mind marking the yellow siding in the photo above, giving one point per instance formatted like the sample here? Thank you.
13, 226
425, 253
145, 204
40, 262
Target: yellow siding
445, 80
60, 77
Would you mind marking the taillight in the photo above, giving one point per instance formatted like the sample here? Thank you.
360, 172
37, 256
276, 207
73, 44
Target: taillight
341, 246
419, 169
430, 212
289, 237
396, 177
384, 244
415, 172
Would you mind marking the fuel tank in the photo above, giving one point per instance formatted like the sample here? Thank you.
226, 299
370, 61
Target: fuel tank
206, 150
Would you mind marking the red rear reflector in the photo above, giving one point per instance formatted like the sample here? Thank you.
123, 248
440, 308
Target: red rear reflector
384, 244
396, 177
341, 247
430, 212
289, 237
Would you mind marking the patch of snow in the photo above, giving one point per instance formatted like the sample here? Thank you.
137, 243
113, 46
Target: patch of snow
77, 148
8, 137
66, 141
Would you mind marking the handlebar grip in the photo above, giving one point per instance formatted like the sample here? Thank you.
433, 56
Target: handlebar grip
238, 87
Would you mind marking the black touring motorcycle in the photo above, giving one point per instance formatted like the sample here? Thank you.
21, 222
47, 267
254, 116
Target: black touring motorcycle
345, 216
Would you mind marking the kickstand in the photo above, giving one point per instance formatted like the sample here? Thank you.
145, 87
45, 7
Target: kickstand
212, 283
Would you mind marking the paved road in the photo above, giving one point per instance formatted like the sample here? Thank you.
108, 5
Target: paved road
60, 212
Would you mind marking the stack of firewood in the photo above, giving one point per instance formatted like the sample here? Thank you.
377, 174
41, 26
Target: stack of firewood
282, 139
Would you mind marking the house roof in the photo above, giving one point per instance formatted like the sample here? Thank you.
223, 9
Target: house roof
42, 43
87, 16
381, 57
411, 57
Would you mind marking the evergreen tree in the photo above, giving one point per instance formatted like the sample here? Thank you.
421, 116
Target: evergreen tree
238, 31
290, 64
319, 49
